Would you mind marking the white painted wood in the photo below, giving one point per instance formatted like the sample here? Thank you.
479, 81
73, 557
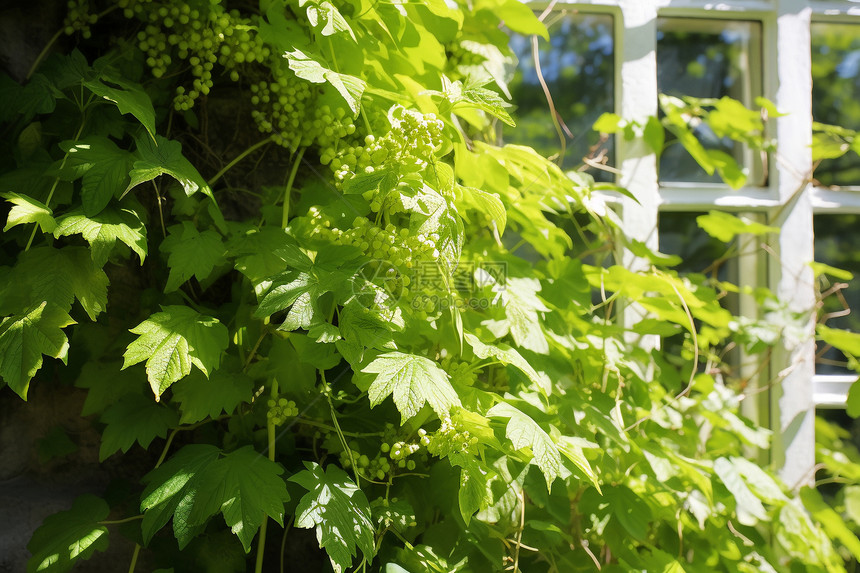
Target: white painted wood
636, 85
705, 196
831, 390
792, 404
828, 201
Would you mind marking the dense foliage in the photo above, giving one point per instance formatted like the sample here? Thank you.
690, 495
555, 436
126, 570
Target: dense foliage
280, 247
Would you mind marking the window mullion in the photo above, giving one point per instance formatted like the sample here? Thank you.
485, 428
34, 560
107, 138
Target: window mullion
792, 403
637, 97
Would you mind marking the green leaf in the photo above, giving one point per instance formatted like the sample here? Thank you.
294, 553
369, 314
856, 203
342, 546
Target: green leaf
852, 405
724, 226
172, 491
382, 180
507, 355
103, 230
831, 521
630, 510
412, 380
285, 290
192, 253
128, 97
608, 123
245, 487
68, 537
851, 495
654, 134
395, 515
516, 15
197, 483
828, 146
822, 269
106, 384
164, 157
55, 444
523, 432
171, 341
572, 449
522, 306
24, 338
330, 17
309, 68
339, 511
104, 167
473, 495
28, 210
489, 204
844, 340
440, 216
749, 507
134, 418
200, 397
473, 95
58, 276
37, 97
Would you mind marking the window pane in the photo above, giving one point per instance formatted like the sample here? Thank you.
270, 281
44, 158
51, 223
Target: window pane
577, 65
706, 59
834, 246
680, 235
836, 93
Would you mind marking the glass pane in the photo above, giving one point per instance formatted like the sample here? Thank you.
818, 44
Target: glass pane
836, 93
706, 59
577, 65
679, 234
834, 245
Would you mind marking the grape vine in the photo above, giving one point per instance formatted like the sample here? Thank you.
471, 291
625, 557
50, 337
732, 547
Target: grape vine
280, 254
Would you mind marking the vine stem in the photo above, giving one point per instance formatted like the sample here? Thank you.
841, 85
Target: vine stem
56, 182
237, 159
121, 521
270, 428
44, 52
327, 391
134, 555
56, 37
520, 531
284, 542
286, 216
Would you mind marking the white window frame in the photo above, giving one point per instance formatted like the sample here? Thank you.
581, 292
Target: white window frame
785, 203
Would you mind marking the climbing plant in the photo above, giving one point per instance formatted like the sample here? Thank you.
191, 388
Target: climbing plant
279, 247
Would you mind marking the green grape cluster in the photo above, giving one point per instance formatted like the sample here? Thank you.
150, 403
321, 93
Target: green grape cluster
281, 106
355, 158
386, 243
153, 42
280, 409
498, 379
460, 372
321, 226
399, 451
411, 143
79, 19
328, 128
463, 58
449, 439
201, 37
375, 468
414, 135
